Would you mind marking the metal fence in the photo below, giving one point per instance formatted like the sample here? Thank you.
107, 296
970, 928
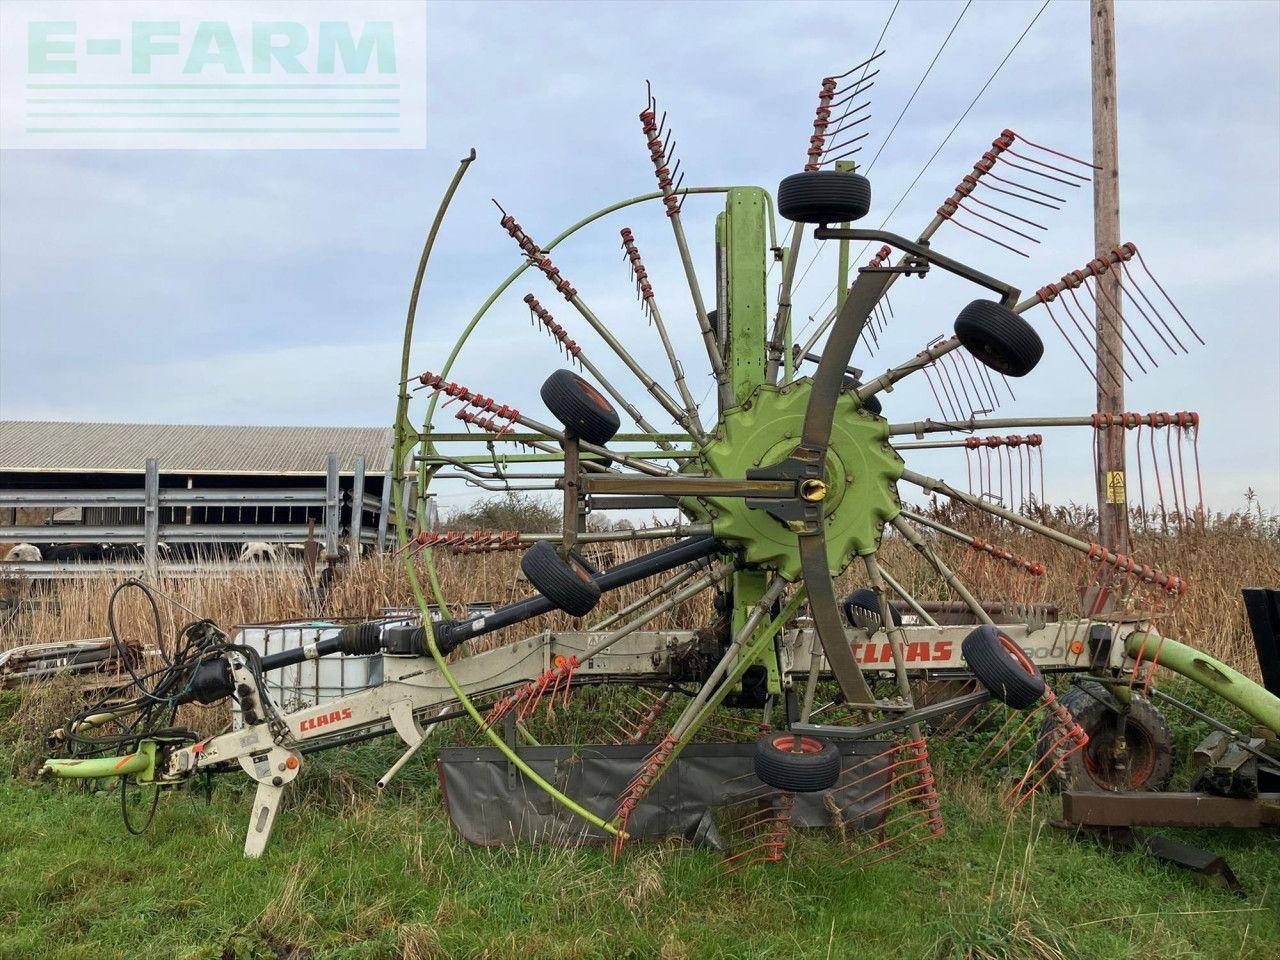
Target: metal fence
145, 517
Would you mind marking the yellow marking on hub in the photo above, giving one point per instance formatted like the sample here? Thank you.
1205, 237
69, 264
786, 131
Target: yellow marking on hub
813, 490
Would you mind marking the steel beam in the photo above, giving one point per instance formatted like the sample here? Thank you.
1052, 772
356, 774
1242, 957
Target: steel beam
332, 506
151, 519
1147, 809
357, 510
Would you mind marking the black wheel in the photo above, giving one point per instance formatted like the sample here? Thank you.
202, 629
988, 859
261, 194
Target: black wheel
1002, 667
824, 196
999, 338
1142, 760
567, 584
862, 607
872, 402
584, 410
815, 767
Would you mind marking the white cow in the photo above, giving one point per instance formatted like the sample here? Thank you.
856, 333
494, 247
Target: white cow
256, 551
24, 553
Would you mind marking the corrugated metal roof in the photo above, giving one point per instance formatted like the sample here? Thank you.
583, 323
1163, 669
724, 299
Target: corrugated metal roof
38, 446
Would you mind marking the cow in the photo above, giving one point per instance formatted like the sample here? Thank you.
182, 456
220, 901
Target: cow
256, 551
24, 553
134, 552
76, 552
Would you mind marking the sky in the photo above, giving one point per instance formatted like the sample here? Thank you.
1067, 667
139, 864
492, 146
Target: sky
270, 287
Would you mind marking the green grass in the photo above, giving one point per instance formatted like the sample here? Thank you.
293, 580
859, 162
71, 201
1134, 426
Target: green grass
348, 875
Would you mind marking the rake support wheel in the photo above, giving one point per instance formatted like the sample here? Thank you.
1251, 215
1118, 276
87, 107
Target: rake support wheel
812, 768
824, 196
1003, 668
566, 583
999, 338
1142, 759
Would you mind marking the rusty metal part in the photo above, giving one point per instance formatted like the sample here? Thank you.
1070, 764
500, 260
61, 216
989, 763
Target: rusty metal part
679, 486
1147, 809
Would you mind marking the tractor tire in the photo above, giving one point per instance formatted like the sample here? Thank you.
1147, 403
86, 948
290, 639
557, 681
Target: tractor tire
1150, 749
824, 196
1002, 668
814, 769
999, 338
866, 602
567, 584
584, 411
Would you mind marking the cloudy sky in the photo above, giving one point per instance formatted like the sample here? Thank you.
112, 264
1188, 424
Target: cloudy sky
207, 286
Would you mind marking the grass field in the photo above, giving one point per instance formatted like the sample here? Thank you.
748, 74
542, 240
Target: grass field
350, 874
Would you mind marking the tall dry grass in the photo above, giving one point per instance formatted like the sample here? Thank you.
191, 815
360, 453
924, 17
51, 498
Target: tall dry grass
1228, 552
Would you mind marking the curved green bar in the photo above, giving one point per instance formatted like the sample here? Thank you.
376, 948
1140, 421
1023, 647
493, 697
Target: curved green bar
515, 274
1231, 685
140, 764
428, 560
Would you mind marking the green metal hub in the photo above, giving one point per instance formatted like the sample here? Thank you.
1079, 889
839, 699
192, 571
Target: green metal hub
861, 475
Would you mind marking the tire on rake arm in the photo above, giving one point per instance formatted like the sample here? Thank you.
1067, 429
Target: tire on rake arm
824, 196
566, 583
864, 605
999, 338
580, 407
871, 403
812, 768
1002, 668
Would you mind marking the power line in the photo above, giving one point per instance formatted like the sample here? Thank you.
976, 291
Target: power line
912, 98
956, 126
950, 133
883, 31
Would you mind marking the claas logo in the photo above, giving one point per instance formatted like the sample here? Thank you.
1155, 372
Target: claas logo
324, 720
917, 651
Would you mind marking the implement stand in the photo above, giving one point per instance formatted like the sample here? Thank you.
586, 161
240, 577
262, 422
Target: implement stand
1110, 818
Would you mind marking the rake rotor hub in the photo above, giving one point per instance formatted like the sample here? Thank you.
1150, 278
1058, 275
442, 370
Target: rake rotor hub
857, 491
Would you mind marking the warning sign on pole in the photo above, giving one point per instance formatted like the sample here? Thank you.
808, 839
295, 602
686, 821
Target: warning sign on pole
1115, 486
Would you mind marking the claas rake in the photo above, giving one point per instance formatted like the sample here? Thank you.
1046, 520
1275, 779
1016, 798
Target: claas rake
791, 704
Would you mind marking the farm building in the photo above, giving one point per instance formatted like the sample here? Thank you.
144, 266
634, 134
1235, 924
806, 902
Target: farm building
93, 491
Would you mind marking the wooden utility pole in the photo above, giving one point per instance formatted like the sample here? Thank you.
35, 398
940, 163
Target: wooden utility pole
1113, 514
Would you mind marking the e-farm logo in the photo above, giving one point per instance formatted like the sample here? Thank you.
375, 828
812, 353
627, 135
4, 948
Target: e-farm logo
213, 74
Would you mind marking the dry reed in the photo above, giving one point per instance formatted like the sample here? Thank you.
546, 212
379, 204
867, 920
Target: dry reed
1227, 553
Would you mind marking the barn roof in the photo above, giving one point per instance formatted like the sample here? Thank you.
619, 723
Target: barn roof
38, 446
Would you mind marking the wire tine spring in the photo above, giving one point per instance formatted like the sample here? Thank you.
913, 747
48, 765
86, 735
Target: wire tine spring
1113, 268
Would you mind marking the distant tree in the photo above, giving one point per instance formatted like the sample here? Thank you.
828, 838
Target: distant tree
511, 511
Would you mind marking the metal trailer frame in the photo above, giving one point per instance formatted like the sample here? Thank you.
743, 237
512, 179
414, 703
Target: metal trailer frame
414, 695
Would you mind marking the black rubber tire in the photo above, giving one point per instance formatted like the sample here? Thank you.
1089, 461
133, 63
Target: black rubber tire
999, 338
824, 196
1151, 747
1002, 668
567, 584
580, 407
867, 600
815, 770
872, 403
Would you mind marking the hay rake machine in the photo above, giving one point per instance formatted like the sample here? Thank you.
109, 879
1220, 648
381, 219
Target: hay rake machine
790, 705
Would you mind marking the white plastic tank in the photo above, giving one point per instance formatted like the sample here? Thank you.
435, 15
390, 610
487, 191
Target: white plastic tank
315, 682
